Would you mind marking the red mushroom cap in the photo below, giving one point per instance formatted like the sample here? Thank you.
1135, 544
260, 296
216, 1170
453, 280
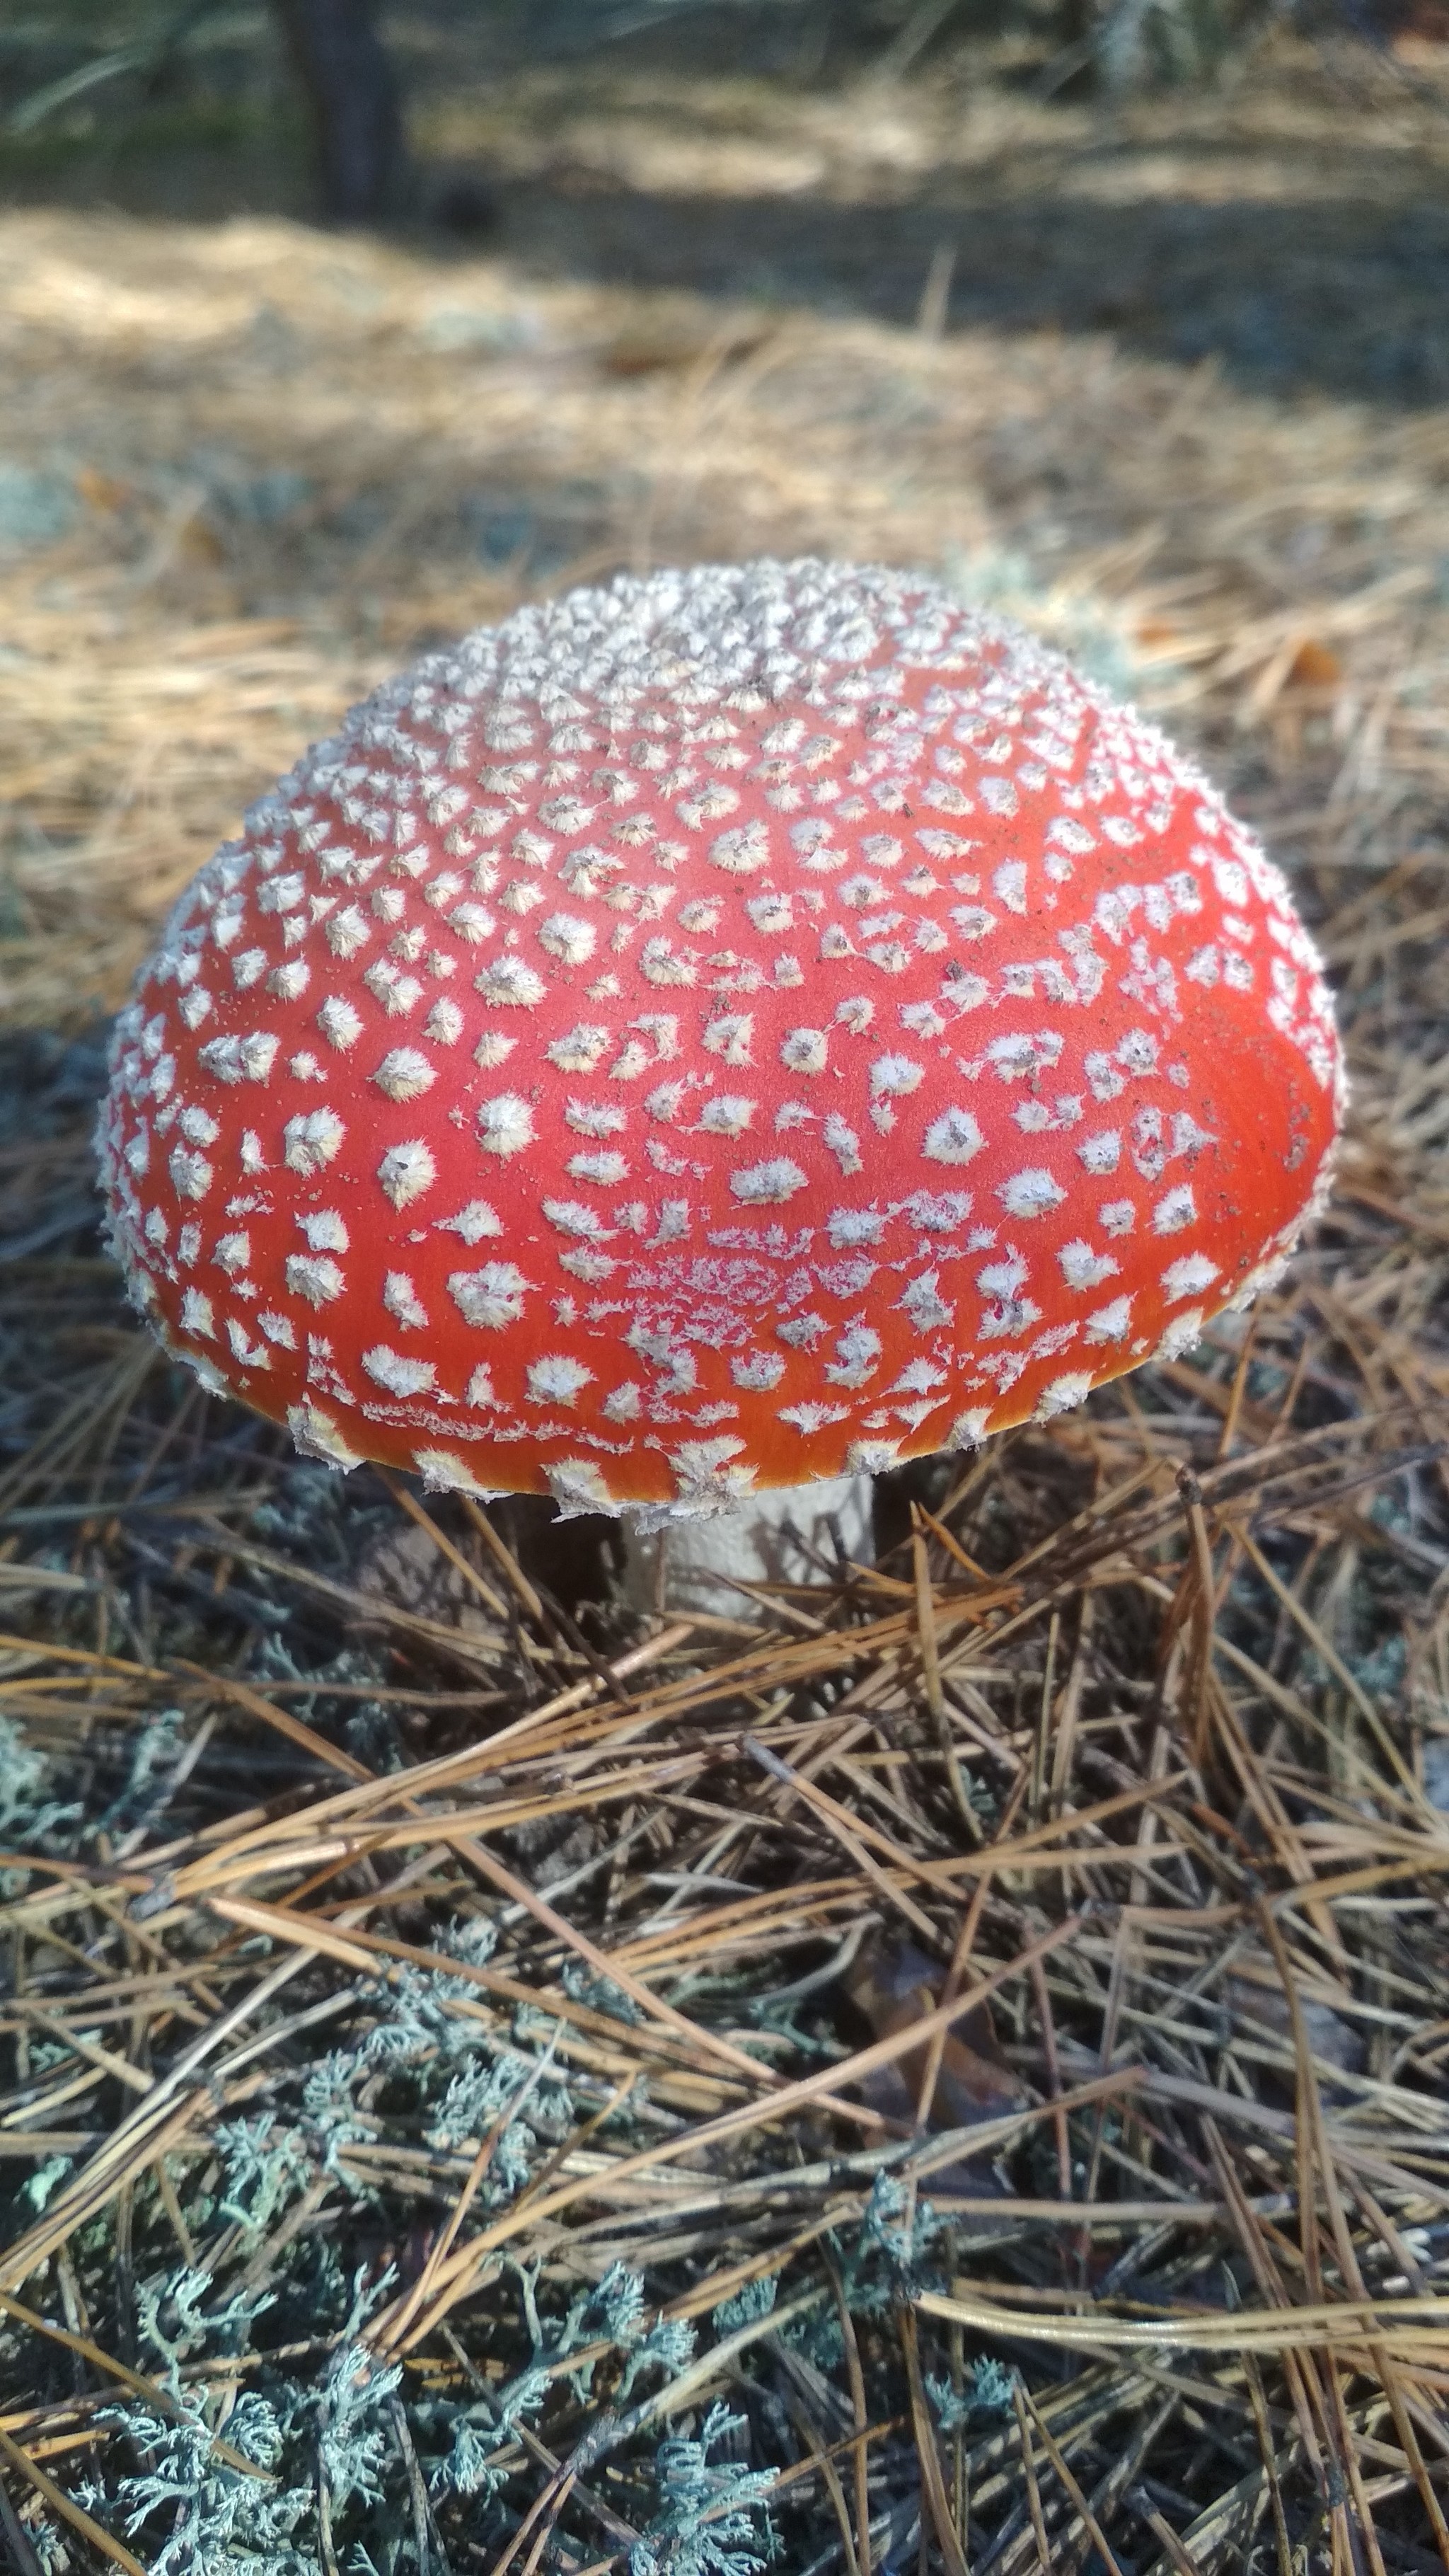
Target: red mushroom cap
717, 1031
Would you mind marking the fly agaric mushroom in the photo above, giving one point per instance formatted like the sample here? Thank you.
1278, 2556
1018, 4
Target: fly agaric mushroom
709, 1037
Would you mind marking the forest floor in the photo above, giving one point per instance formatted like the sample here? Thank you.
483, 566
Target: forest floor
459, 2107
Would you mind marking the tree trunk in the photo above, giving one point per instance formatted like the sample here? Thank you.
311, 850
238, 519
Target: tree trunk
352, 95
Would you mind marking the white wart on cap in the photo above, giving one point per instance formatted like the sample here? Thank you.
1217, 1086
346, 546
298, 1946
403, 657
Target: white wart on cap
714, 1032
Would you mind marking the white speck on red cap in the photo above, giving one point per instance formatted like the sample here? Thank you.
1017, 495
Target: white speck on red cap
505, 1125
1032, 903
312, 1140
473, 1222
407, 1170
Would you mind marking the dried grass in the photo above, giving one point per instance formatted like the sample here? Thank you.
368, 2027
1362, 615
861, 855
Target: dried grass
954, 2076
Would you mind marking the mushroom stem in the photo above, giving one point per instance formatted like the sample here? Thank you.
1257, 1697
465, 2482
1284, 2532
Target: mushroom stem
777, 1537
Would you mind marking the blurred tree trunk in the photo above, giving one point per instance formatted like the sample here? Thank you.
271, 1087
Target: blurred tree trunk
352, 94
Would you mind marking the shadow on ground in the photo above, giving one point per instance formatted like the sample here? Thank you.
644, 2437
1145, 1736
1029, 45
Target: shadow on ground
1339, 297
1300, 252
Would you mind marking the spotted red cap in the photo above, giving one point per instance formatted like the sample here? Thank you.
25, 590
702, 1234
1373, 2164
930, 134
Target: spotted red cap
716, 1031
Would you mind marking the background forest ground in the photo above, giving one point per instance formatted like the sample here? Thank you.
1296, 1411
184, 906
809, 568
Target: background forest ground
1171, 381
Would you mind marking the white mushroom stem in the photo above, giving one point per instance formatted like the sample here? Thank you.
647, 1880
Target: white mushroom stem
777, 1537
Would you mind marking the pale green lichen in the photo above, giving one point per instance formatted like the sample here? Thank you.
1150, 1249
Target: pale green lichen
986, 2390
747, 2306
219, 2518
710, 2520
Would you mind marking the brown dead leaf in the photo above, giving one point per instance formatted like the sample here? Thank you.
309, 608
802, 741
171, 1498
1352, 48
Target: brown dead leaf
1257, 1999
405, 1566
645, 352
1314, 666
102, 491
893, 1984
